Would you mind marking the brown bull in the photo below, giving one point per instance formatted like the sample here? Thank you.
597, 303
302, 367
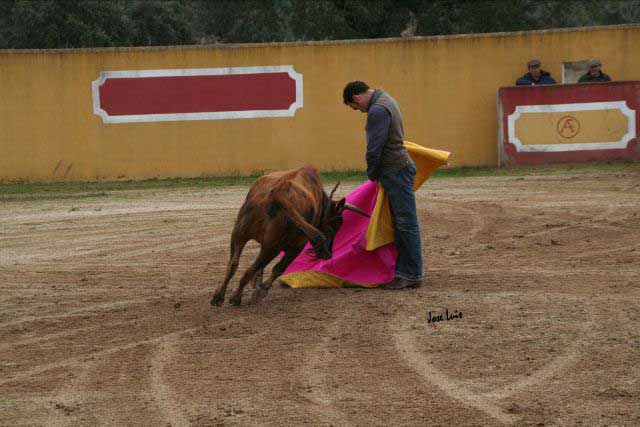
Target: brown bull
283, 211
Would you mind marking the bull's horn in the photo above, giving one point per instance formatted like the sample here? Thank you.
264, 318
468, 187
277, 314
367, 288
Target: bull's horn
333, 191
350, 207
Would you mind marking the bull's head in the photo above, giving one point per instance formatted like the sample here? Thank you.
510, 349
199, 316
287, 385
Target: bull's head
330, 223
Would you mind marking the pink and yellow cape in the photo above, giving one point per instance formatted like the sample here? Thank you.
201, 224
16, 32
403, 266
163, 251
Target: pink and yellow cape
364, 252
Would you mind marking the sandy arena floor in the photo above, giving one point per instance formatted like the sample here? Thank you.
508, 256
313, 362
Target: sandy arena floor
106, 319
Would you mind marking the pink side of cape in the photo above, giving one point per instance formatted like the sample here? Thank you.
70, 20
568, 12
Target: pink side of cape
351, 261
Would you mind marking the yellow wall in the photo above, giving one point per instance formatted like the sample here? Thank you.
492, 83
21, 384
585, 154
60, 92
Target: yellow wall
446, 87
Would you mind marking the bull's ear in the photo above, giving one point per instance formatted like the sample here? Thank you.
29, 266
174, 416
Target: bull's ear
340, 205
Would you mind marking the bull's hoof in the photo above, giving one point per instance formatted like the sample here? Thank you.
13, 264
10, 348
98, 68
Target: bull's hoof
283, 284
217, 299
235, 301
258, 295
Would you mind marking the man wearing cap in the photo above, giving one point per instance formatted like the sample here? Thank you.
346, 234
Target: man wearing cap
594, 74
389, 163
535, 76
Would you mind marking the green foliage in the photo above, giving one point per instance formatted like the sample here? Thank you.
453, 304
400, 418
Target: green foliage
96, 23
318, 20
246, 21
49, 24
159, 23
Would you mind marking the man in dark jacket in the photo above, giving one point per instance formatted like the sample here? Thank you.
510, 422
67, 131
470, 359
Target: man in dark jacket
535, 76
389, 163
595, 74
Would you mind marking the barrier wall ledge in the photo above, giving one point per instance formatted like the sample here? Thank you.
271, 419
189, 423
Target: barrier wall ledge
568, 123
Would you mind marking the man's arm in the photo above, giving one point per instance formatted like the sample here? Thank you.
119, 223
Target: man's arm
378, 121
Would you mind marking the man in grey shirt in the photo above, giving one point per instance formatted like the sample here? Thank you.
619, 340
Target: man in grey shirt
389, 163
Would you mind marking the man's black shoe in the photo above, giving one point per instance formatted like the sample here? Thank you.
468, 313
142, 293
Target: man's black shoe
399, 283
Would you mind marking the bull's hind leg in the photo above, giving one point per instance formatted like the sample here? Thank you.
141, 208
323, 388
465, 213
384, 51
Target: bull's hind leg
265, 256
257, 281
237, 245
262, 290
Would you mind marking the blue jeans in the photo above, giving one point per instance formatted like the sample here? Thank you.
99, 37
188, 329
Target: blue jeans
402, 201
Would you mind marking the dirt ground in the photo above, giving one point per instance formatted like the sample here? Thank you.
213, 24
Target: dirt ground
106, 319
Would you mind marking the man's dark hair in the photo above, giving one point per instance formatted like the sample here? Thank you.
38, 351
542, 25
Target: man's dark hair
353, 88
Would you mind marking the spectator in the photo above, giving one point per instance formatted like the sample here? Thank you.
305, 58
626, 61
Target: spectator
594, 74
535, 76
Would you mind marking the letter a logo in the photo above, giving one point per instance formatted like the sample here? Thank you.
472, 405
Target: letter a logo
568, 127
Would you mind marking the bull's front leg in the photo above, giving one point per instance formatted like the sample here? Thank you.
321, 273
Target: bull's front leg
261, 290
237, 245
265, 256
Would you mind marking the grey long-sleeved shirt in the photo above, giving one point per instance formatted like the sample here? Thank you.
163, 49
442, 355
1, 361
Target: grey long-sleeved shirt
378, 121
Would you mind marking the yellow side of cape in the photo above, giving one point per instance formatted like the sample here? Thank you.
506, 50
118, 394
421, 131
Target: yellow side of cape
380, 230
318, 279
427, 160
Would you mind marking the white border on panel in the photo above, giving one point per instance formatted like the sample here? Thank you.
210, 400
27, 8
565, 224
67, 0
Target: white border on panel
220, 115
564, 108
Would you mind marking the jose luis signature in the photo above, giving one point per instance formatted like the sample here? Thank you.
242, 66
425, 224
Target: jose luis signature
444, 316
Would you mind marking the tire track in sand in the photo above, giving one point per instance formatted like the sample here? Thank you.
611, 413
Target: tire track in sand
452, 388
604, 252
559, 363
478, 222
67, 333
80, 311
160, 390
487, 402
312, 373
70, 396
77, 362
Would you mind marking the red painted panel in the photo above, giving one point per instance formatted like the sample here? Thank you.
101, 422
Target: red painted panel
511, 97
197, 94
